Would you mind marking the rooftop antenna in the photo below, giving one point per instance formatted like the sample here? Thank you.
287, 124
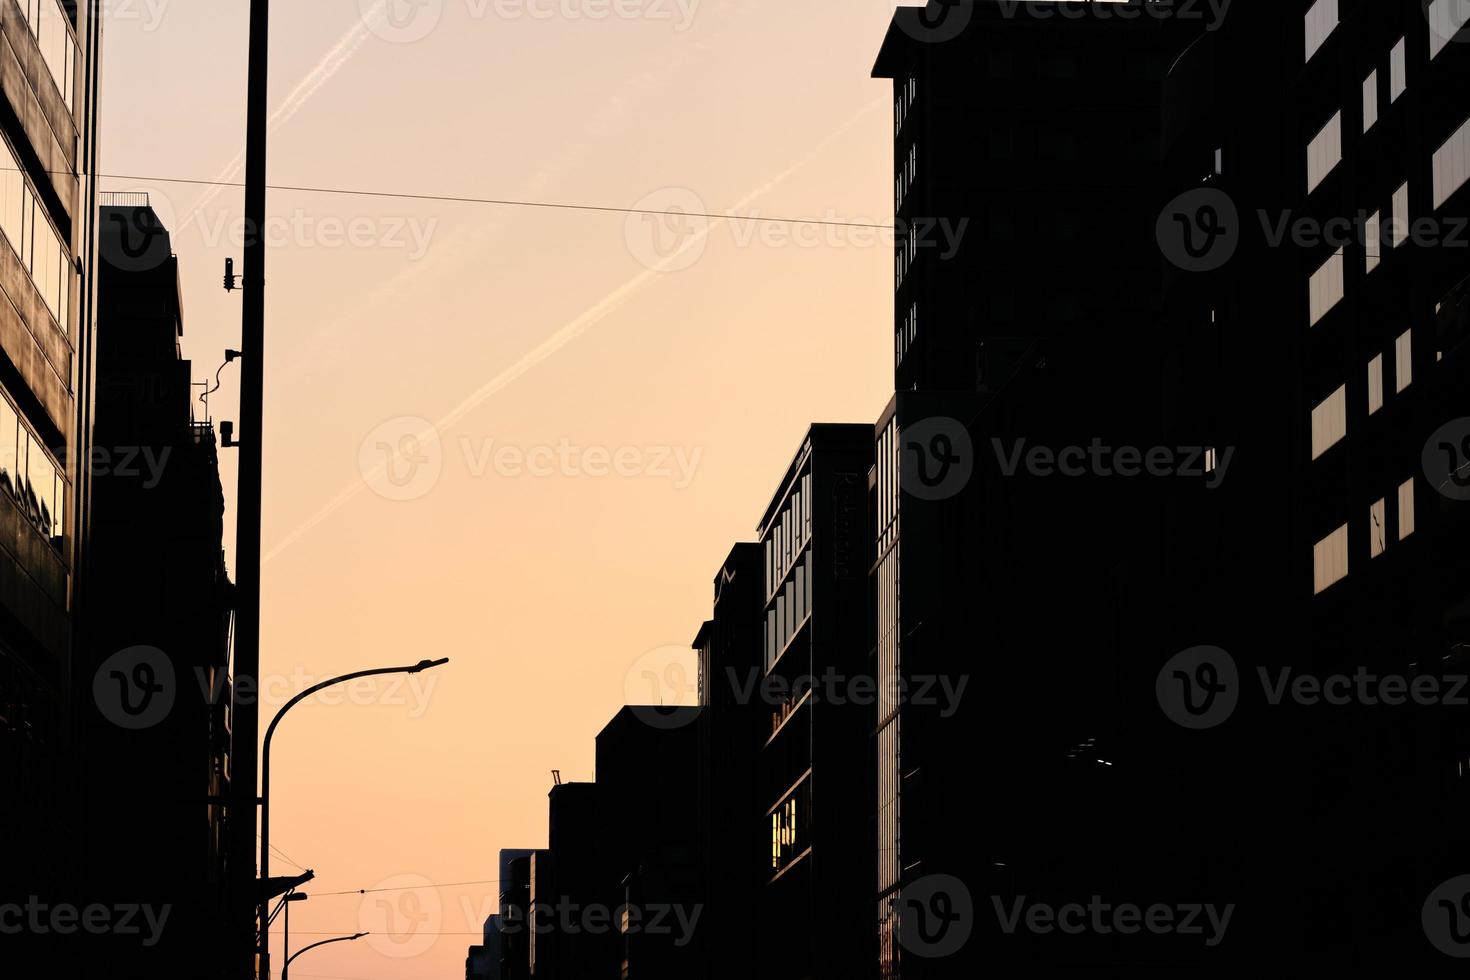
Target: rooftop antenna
556, 777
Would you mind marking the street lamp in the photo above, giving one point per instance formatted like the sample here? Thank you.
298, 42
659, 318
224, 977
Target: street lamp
285, 970
291, 896
265, 785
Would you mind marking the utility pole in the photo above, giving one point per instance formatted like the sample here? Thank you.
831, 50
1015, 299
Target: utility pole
246, 718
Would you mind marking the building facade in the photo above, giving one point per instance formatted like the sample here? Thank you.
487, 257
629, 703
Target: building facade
814, 783
48, 152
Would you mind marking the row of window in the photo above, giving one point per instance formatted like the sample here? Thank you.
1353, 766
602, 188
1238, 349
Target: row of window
907, 331
1330, 416
1330, 560
1324, 150
26, 226
790, 826
908, 250
792, 606
903, 104
29, 475
907, 172
789, 534
51, 28
1327, 285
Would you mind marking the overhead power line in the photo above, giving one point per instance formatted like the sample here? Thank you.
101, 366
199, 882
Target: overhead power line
505, 202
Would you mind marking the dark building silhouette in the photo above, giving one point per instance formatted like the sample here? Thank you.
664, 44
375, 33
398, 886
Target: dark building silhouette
1331, 139
734, 845
814, 773
48, 150
647, 807
515, 907
156, 641
1013, 569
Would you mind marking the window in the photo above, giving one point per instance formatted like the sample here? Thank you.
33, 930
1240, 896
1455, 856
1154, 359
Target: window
1398, 82
1452, 165
1403, 360
51, 28
29, 475
1406, 508
1326, 287
1370, 100
1324, 152
1377, 529
1329, 422
1330, 560
1373, 240
1321, 21
33, 238
1399, 227
1446, 17
1375, 384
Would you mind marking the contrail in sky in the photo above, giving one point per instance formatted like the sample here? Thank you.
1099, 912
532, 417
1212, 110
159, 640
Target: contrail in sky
330, 64
568, 333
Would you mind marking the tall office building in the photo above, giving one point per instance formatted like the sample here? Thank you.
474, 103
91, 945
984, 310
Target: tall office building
1007, 591
814, 778
48, 154
733, 836
155, 646
1319, 150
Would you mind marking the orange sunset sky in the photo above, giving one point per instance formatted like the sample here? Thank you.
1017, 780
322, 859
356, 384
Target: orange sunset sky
604, 429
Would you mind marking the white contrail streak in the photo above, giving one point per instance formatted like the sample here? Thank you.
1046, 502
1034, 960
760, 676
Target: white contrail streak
328, 66
565, 335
